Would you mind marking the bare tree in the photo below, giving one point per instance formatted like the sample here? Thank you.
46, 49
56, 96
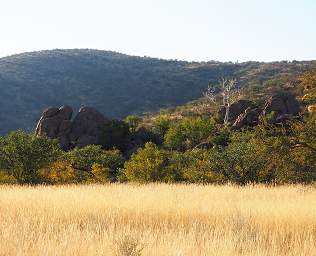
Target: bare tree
229, 94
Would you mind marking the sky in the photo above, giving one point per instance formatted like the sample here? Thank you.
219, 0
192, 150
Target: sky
193, 30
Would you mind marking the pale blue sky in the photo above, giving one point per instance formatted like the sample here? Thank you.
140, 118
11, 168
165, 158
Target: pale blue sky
225, 30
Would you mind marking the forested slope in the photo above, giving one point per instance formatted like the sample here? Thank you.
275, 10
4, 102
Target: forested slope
116, 84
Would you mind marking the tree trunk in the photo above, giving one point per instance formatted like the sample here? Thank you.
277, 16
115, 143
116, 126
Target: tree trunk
226, 118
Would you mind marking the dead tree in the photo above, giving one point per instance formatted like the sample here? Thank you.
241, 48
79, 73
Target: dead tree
229, 94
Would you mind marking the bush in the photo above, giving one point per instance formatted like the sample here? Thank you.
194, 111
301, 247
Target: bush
148, 164
100, 173
6, 178
133, 122
194, 167
290, 153
22, 155
241, 161
308, 81
161, 125
83, 160
264, 155
115, 134
304, 148
189, 133
221, 137
59, 172
304, 169
143, 135
305, 132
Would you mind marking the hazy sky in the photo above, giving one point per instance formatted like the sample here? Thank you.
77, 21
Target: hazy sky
236, 30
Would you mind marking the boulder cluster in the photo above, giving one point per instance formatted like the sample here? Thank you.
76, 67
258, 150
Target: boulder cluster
86, 127
83, 130
282, 106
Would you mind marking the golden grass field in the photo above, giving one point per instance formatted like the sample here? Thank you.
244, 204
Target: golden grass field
157, 219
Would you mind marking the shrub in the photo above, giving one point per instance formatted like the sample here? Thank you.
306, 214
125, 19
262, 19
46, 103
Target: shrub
189, 133
115, 134
290, 154
148, 164
59, 172
83, 159
240, 162
221, 137
305, 132
100, 173
161, 125
304, 148
308, 81
133, 122
304, 161
260, 156
143, 135
6, 178
194, 166
22, 155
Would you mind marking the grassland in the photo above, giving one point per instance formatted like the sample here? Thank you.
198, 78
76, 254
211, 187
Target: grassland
157, 219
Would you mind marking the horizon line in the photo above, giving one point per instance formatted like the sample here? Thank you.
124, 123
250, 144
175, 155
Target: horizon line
153, 57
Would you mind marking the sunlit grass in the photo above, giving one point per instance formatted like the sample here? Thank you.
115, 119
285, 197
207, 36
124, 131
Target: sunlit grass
157, 219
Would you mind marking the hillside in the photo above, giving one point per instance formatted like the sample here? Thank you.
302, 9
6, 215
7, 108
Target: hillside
116, 84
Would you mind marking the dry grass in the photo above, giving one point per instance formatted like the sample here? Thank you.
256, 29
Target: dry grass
157, 220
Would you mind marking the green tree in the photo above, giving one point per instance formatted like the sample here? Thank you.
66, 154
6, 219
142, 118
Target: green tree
161, 125
115, 134
308, 81
305, 132
22, 155
239, 162
190, 133
303, 152
59, 172
264, 155
100, 173
148, 164
194, 166
133, 122
83, 159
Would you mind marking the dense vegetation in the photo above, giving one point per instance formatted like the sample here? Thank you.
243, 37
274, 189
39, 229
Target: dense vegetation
194, 148
116, 84
266, 154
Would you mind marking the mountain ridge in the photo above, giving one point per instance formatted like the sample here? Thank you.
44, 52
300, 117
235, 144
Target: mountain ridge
114, 83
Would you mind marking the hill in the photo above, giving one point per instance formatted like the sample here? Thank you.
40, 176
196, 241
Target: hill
114, 83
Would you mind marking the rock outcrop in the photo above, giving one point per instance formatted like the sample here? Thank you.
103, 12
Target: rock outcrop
284, 105
248, 118
86, 127
235, 110
84, 130
55, 123
243, 113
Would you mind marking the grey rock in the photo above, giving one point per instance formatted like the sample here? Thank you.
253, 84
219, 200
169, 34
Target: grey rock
49, 112
248, 118
86, 140
55, 123
84, 130
235, 110
86, 127
64, 141
283, 104
51, 120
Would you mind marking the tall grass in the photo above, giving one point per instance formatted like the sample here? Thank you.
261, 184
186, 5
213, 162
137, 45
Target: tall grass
157, 219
